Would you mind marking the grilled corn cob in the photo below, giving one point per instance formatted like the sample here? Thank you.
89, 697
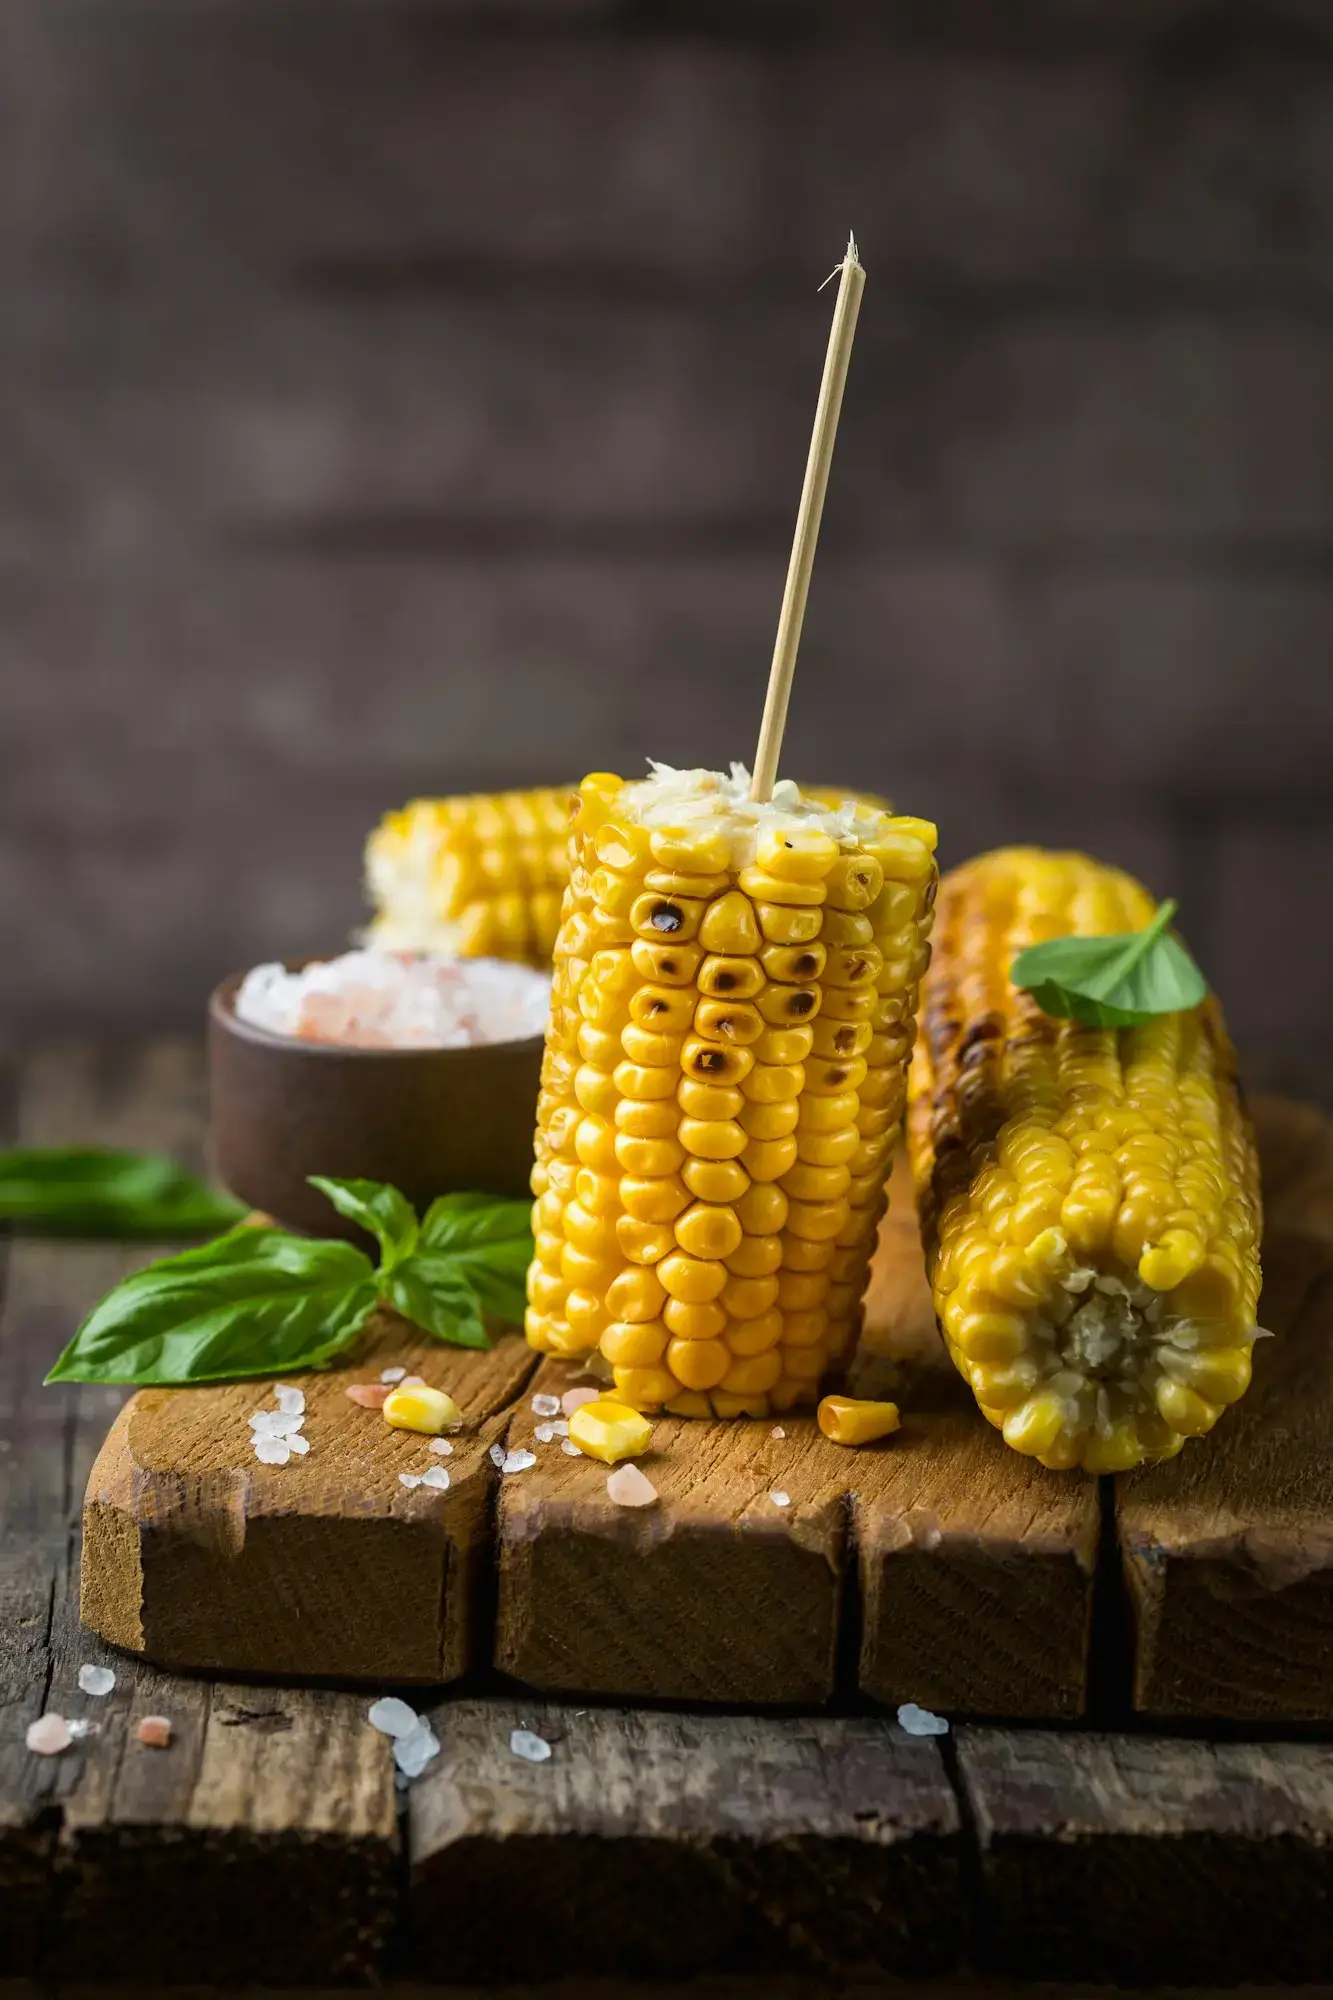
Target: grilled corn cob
482, 876
733, 1006
1089, 1197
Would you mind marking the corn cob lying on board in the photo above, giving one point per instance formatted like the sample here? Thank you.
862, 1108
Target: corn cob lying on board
1089, 1197
732, 1012
480, 876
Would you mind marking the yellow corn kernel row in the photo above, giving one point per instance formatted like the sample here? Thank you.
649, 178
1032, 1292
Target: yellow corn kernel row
1089, 1197
482, 876
723, 1088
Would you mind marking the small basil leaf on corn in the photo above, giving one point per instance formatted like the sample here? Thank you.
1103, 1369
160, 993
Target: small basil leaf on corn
708, 1183
1089, 1195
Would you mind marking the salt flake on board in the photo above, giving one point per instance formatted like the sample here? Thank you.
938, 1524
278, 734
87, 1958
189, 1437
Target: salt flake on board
921, 1721
48, 1735
442, 1447
289, 1398
518, 1461
526, 1743
96, 1680
436, 1476
391, 1716
272, 1451
545, 1406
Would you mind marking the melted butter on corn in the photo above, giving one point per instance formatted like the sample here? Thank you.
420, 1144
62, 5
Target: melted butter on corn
733, 1006
1089, 1197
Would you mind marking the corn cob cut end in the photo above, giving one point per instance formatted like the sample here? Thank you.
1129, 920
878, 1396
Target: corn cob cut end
1089, 1197
733, 1007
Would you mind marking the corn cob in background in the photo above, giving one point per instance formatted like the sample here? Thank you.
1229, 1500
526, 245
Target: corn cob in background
482, 876
1089, 1196
733, 1007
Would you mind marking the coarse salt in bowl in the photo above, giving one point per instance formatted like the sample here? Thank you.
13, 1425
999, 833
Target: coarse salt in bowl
397, 1000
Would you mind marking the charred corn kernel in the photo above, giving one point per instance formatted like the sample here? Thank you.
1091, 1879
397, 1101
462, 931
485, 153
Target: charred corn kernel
610, 1431
713, 1062
695, 1322
729, 1021
715, 1180
1092, 1224
692, 975
854, 1420
657, 1199
729, 926
793, 964
707, 1231
415, 1407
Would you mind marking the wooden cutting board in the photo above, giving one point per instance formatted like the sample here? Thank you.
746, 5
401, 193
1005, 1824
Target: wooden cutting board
937, 1567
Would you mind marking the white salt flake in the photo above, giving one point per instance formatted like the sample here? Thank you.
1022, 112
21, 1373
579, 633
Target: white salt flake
442, 1447
392, 1374
49, 1735
295, 1442
570, 1449
412, 1752
81, 1727
545, 1406
574, 1399
546, 1433
779, 1498
410, 1478
920, 1721
386, 998
777, 1431
276, 1423
518, 1461
272, 1451
289, 1398
413, 1382
628, 1487
436, 1476
96, 1680
391, 1716
497, 1457
526, 1743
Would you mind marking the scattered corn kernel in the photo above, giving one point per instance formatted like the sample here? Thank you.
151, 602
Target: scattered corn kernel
855, 1420
609, 1431
415, 1407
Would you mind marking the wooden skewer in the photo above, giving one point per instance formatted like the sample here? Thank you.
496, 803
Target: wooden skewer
792, 615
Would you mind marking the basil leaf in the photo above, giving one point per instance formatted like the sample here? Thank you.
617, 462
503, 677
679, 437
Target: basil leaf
488, 1238
433, 1293
380, 1209
1112, 982
90, 1190
256, 1302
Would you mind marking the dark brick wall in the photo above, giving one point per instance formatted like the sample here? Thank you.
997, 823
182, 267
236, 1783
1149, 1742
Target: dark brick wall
400, 398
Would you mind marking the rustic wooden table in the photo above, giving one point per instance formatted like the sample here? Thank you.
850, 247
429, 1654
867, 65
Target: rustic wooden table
269, 1843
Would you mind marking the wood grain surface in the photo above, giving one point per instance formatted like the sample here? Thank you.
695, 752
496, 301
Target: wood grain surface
1228, 1551
726, 1823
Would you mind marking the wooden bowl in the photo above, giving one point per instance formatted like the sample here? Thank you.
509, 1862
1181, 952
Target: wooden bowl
431, 1121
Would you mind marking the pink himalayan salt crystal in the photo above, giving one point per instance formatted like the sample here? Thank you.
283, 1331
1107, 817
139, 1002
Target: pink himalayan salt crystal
574, 1399
370, 1395
155, 1731
628, 1487
49, 1735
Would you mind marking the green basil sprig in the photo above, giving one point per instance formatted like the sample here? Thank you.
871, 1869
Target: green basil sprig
90, 1191
263, 1302
1113, 982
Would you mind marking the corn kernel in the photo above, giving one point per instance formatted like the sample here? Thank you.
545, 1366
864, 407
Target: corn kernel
729, 926
715, 1180
854, 1420
415, 1407
610, 1431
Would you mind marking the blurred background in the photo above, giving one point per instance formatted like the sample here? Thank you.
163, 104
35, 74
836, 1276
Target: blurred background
405, 398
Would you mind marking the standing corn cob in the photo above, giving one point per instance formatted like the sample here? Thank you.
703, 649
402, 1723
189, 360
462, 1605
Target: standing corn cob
733, 1007
1089, 1196
479, 876
482, 876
